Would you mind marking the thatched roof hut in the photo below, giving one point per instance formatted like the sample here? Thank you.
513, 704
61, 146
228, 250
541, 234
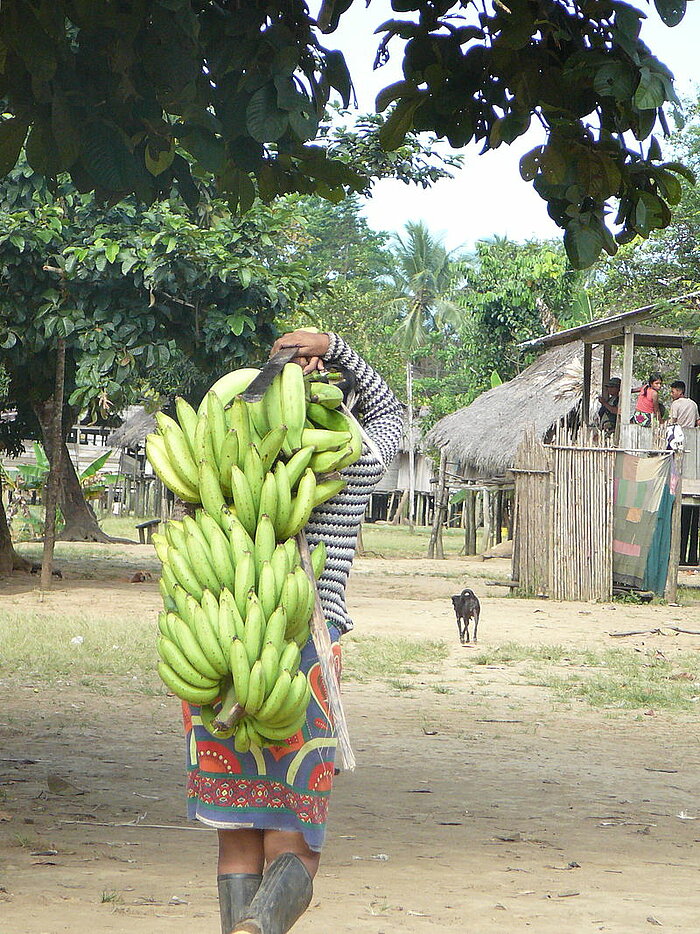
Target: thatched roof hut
483, 437
131, 435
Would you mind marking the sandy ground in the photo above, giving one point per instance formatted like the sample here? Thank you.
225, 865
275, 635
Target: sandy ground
491, 808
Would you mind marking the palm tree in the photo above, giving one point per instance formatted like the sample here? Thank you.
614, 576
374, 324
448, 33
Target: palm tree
424, 277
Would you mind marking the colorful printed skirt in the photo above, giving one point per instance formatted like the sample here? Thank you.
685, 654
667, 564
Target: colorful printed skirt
642, 418
276, 788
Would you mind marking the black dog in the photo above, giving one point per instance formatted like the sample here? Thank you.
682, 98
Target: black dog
467, 609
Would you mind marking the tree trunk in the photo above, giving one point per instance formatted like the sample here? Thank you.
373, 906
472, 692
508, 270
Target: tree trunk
411, 447
51, 489
9, 559
80, 521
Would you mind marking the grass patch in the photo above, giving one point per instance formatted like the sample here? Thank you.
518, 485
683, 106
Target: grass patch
392, 541
613, 679
36, 647
373, 658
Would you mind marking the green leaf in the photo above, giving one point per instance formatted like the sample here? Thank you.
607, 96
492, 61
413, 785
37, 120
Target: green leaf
265, 121
12, 135
583, 244
670, 11
397, 124
207, 149
108, 159
111, 251
245, 275
338, 75
495, 379
96, 465
157, 158
650, 91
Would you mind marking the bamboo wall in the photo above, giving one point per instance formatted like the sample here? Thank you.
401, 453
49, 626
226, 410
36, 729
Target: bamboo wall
564, 517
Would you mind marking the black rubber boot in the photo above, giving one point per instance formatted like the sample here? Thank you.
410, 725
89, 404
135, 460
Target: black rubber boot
236, 892
283, 897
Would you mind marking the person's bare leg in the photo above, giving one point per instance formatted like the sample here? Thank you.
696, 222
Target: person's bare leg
283, 841
241, 851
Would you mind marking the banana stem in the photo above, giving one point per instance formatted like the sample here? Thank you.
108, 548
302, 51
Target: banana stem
231, 711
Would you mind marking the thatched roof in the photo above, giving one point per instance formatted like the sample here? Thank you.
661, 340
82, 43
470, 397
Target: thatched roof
132, 434
484, 436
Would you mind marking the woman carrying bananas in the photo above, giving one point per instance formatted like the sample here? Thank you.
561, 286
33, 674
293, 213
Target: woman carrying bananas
269, 805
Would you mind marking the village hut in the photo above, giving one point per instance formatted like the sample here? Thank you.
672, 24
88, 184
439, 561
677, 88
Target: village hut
139, 492
481, 439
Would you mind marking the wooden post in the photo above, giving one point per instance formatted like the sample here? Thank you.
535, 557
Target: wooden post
486, 511
607, 362
436, 531
470, 523
499, 516
411, 446
674, 555
586, 400
54, 469
623, 424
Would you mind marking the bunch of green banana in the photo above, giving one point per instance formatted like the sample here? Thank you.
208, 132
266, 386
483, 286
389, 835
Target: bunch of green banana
237, 601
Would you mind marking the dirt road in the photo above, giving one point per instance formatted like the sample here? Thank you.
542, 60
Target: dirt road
480, 804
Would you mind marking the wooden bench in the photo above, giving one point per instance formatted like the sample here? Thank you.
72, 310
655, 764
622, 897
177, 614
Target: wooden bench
146, 530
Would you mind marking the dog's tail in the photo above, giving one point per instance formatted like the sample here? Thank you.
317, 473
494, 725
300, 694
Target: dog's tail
467, 592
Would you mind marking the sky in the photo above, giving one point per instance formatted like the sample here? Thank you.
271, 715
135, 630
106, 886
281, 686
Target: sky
487, 196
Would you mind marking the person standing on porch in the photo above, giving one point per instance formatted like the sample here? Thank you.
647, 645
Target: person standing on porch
648, 405
684, 411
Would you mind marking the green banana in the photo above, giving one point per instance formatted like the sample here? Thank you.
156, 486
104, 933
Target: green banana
280, 565
172, 656
254, 627
297, 464
231, 385
178, 449
241, 542
207, 635
268, 499
293, 395
267, 589
160, 462
246, 509
330, 419
229, 608
241, 740
276, 627
321, 439
184, 573
252, 468
160, 543
302, 504
245, 582
183, 690
226, 622
180, 596
289, 599
271, 444
210, 491
325, 394
240, 671
256, 688
270, 660
238, 420
265, 542
187, 417
258, 419
274, 702
272, 404
327, 489
219, 549
168, 601
318, 558
292, 550
217, 424
284, 497
307, 594
199, 558
191, 649
202, 441
328, 461
168, 578
228, 456
290, 658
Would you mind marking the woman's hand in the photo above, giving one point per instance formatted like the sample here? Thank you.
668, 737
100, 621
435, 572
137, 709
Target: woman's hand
312, 346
